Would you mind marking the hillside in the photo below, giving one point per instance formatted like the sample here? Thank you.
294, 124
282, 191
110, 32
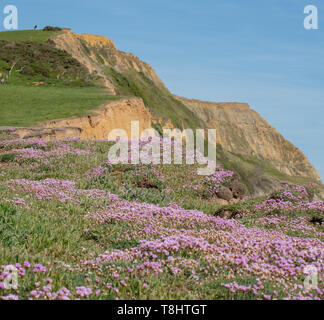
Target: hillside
78, 227
251, 142
44, 82
126, 75
78, 85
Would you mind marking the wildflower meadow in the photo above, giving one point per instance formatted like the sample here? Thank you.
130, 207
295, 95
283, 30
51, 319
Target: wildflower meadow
75, 226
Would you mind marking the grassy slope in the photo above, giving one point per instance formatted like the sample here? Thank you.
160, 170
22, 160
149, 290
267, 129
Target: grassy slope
66, 88
26, 106
257, 174
52, 232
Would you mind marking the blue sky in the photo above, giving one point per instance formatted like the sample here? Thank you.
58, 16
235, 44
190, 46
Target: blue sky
254, 51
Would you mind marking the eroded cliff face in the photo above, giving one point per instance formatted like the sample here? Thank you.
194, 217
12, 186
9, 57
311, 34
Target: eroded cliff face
241, 130
97, 125
113, 115
99, 52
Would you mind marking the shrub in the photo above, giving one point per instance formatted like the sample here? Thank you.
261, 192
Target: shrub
311, 190
8, 157
153, 196
50, 28
4, 65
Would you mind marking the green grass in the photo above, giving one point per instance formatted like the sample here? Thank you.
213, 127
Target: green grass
45, 83
26, 106
27, 35
8, 157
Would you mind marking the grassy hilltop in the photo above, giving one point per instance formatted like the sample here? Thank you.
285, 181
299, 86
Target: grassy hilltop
27, 35
45, 83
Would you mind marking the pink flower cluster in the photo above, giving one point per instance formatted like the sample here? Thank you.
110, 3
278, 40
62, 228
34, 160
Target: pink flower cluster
61, 190
32, 153
291, 200
271, 255
217, 179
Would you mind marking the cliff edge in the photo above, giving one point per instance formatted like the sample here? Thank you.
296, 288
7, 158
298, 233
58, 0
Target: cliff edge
241, 130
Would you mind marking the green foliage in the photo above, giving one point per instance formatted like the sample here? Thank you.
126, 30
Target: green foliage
8, 157
100, 59
312, 190
40, 60
158, 128
49, 28
85, 48
4, 66
153, 196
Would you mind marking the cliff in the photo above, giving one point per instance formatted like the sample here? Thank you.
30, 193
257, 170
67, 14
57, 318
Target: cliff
246, 143
98, 52
123, 74
241, 130
96, 125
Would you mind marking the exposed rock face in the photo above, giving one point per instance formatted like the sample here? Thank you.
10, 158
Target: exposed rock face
113, 115
241, 130
98, 52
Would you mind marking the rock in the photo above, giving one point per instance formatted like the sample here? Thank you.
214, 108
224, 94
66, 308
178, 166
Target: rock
146, 184
225, 193
48, 134
235, 177
219, 201
112, 115
238, 189
226, 214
